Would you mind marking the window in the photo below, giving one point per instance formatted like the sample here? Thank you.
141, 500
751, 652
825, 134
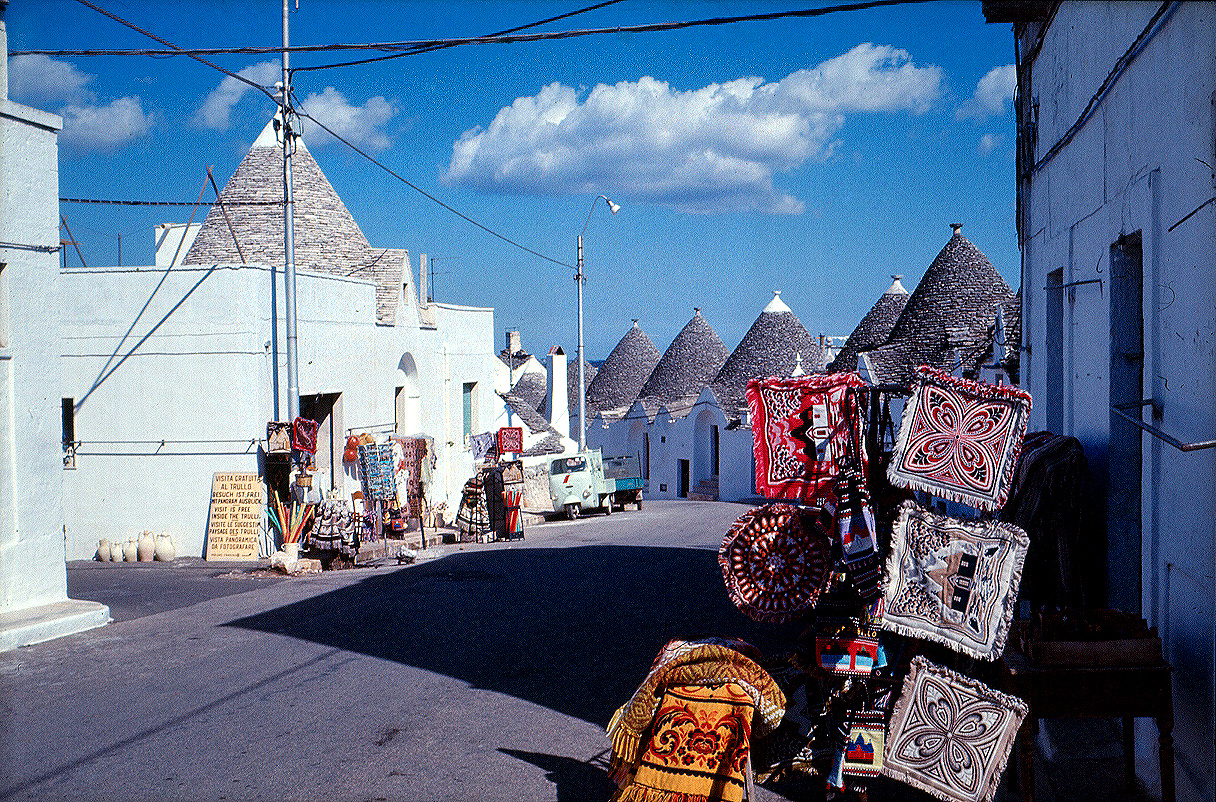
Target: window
568, 465
714, 442
646, 456
68, 410
469, 409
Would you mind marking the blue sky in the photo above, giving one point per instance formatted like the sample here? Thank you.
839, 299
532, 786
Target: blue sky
815, 156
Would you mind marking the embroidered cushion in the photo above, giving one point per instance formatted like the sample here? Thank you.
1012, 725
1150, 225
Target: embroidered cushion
775, 562
960, 439
953, 582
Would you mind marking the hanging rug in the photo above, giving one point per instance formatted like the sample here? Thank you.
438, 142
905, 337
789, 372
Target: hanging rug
950, 735
953, 582
304, 435
698, 747
960, 439
775, 562
802, 429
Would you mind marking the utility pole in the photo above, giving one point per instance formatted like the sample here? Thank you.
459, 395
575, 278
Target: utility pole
289, 246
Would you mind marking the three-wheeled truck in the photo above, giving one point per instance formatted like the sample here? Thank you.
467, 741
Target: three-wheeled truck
589, 481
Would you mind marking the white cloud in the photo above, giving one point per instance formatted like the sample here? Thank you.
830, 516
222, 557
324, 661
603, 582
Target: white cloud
39, 79
359, 125
989, 143
704, 150
103, 129
992, 92
88, 127
216, 110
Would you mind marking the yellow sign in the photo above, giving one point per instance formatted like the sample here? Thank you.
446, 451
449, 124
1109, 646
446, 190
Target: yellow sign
234, 525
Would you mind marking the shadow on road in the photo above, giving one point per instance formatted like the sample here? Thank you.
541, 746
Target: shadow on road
571, 629
574, 780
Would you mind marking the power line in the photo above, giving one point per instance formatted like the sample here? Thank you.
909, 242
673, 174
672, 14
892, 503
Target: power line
169, 203
426, 194
428, 49
175, 49
424, 45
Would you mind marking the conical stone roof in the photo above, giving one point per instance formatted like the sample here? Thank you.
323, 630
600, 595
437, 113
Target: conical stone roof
874, 328
326, 237
770, 348
623, 373
689, 364
952, 310
589, 373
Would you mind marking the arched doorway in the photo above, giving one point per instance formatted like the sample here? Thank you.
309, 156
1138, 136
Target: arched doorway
407, 406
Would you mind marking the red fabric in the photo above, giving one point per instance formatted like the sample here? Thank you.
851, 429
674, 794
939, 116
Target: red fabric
304, 435
802, 428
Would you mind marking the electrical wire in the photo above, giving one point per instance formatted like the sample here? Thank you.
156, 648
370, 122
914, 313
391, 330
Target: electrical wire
423, 45
1127, 58
169, 203
177, 50
428, 49
426, 194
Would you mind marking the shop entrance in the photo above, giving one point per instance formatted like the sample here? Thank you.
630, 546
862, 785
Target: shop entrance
326, 410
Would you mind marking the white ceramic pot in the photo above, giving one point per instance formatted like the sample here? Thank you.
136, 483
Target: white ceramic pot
292, 550
146, 547
116, 551
165, 550
103, 550
130, 550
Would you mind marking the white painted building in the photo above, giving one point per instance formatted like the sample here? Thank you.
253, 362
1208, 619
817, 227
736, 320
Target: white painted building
1116, 219
172, 372
33, 579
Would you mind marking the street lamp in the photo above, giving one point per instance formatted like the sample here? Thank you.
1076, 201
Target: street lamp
580, 280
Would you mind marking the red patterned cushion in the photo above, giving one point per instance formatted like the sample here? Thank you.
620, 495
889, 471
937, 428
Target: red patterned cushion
801, 430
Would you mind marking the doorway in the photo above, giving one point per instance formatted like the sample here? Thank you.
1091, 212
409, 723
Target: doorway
1124, 491
685, 470
326, 410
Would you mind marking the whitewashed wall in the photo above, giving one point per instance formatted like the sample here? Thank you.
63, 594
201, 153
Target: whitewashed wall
200, 368
31, 516
1141, 164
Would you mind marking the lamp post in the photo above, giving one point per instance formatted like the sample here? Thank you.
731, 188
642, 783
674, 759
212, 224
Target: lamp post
580, 280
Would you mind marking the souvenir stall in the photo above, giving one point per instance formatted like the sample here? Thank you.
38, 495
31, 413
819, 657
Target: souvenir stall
906, 608
490, 507
383, 486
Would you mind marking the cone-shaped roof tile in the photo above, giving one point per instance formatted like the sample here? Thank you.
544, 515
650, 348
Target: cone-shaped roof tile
873, 329
623, 373
951, 310
689, 364
327, 239
770, 348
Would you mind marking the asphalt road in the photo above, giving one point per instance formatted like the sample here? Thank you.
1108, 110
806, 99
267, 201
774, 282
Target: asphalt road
486, 674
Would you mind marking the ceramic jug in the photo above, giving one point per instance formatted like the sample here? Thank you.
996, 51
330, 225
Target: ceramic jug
145, 547
116, 551
130, 550
103, 550
165, 550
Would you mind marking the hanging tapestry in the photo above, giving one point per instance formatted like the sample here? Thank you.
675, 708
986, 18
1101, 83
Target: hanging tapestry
336, 528
304, 435
408, 455
803, 429
473, 517
775, 562
278, 437
953, 582
376, 465
960, 439
698, 747
481, 445
860, 747
950, 735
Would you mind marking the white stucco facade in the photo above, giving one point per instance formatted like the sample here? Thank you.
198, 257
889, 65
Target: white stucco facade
1119, 307
33, 578
189, 362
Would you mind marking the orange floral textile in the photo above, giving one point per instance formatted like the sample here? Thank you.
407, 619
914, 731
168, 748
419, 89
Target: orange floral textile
698, 748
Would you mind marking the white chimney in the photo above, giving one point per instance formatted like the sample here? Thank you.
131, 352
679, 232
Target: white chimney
559, 402
423, 298
514, 342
